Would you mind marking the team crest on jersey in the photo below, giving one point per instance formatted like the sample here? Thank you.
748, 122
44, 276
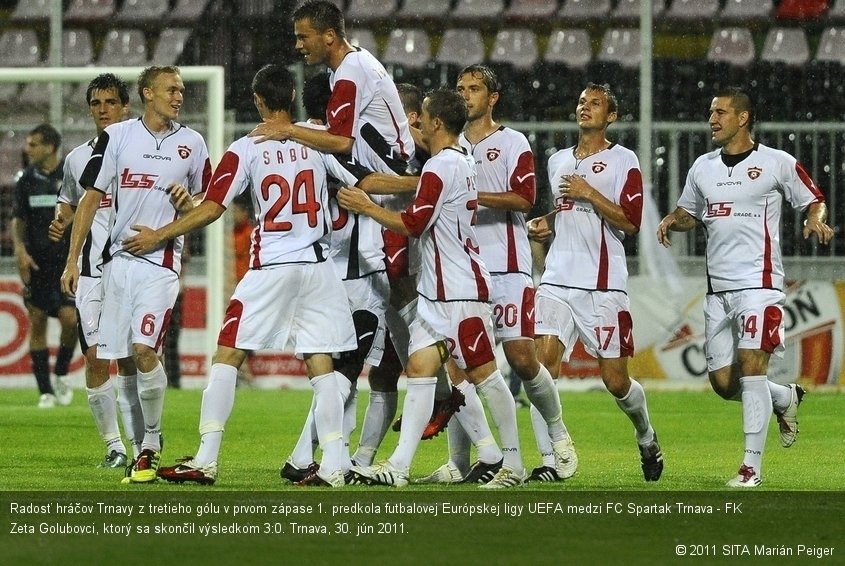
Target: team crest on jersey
493, 154
599, 166
184, 151
754, 173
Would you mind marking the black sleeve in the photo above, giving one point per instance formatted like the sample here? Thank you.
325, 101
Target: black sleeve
95, 163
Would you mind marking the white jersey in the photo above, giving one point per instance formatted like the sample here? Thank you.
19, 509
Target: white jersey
91, 259
739, 204
587, 253
289, 194
442, 216
140, 167
357, 246
365, 105
504, 163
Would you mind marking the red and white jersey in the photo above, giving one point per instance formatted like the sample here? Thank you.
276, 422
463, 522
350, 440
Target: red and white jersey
357, 244
442, 216
365, 105
140, 167
289, 194
740, 207
91, 258
504, 163
587, 253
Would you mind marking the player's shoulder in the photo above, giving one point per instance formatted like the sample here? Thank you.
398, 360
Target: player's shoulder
560, 156
706, 159
80, 152
514, 136
448, 159
358, 63
186, 131
773, 153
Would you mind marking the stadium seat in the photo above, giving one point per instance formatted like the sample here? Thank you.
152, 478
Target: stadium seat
630, 9
170, 45
621, 46
370, 10
255, 8
837, 11
746, 10
134, 11
410, 48
89, 10
19, 48
580, 10
786, 45
734, 46
693, 10
364, 39
461, 46
530, 9
477, 10
570, 47
31, 10
76, 48
188, 10
123, 47
517, 47
832, 45
801, 10
424, 9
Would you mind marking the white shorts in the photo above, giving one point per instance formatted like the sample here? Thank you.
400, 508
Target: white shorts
371, 294
89, 303
750, 319
302, 305
465, 327
601, 319
138, 299
512, 295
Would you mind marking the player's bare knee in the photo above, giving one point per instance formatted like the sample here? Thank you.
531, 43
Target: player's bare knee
145, 357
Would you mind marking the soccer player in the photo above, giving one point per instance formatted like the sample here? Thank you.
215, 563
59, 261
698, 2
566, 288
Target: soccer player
736, 192
453, 313
108, 102
506, 192
153, 165
40, 262
582, 293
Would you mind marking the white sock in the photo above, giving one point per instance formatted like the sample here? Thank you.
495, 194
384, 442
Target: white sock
459, 444
416, 412
756, 412
350, 416
381, 409
328, 418
542, 393
130, 411
541, 437
500, 403
151, 388
103, 403
474, 424
634, 405
217, 402
303, 453
781, 396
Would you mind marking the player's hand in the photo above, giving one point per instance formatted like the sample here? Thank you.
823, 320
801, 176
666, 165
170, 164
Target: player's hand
539, 229
70, 279
574, 187
276, 129
26, 265
145, 241
353, 199
180, 198
822, 231
663, 230
57, 228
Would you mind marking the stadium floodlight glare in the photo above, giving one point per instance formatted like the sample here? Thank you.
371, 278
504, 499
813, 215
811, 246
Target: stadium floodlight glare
212, 76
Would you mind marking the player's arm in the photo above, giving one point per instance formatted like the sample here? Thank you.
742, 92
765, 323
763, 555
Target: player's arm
509, 200
542, 228
816, 223
282, 129
355, 200
575, 187
63, 219
678, 220
383, 184
82, 221
25, 262
148, 239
